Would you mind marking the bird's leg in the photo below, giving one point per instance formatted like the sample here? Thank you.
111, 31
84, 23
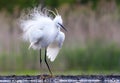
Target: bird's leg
47, 63
40, 59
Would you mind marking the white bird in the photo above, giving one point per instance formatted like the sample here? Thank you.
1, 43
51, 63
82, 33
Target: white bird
43, 31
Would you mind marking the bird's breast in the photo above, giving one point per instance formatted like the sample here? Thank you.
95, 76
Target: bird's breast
49, 36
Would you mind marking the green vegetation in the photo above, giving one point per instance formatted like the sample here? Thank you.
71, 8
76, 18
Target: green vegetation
93, 57
12, 4
68, 72
21, 4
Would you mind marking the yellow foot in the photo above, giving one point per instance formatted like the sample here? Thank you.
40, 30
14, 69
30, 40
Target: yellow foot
46, 76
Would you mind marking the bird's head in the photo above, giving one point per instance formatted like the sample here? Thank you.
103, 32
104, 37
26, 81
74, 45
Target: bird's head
58, 20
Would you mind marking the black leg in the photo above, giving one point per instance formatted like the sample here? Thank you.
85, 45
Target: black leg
47, 63
40, 59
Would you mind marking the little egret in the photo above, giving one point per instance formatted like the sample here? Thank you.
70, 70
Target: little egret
43, 31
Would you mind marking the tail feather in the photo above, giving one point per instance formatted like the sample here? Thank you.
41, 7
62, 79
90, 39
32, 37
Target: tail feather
30, 45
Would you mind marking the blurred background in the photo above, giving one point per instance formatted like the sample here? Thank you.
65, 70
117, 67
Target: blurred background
92, 43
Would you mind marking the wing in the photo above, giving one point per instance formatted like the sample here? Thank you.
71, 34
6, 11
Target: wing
53, 48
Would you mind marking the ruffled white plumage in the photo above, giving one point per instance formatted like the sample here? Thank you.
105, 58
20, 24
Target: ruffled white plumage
40, 30
33, 19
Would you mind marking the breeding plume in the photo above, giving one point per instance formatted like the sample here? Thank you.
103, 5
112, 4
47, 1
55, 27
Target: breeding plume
42, 30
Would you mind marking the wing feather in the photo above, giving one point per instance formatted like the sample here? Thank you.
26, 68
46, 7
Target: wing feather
53, 48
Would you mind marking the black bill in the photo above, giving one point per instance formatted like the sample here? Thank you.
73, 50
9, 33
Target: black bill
62, 26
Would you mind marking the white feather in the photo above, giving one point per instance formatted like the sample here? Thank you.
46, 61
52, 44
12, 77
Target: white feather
42, 31
36, 27
53, 48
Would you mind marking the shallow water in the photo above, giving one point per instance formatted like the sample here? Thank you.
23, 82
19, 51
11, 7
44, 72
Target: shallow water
61, 79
